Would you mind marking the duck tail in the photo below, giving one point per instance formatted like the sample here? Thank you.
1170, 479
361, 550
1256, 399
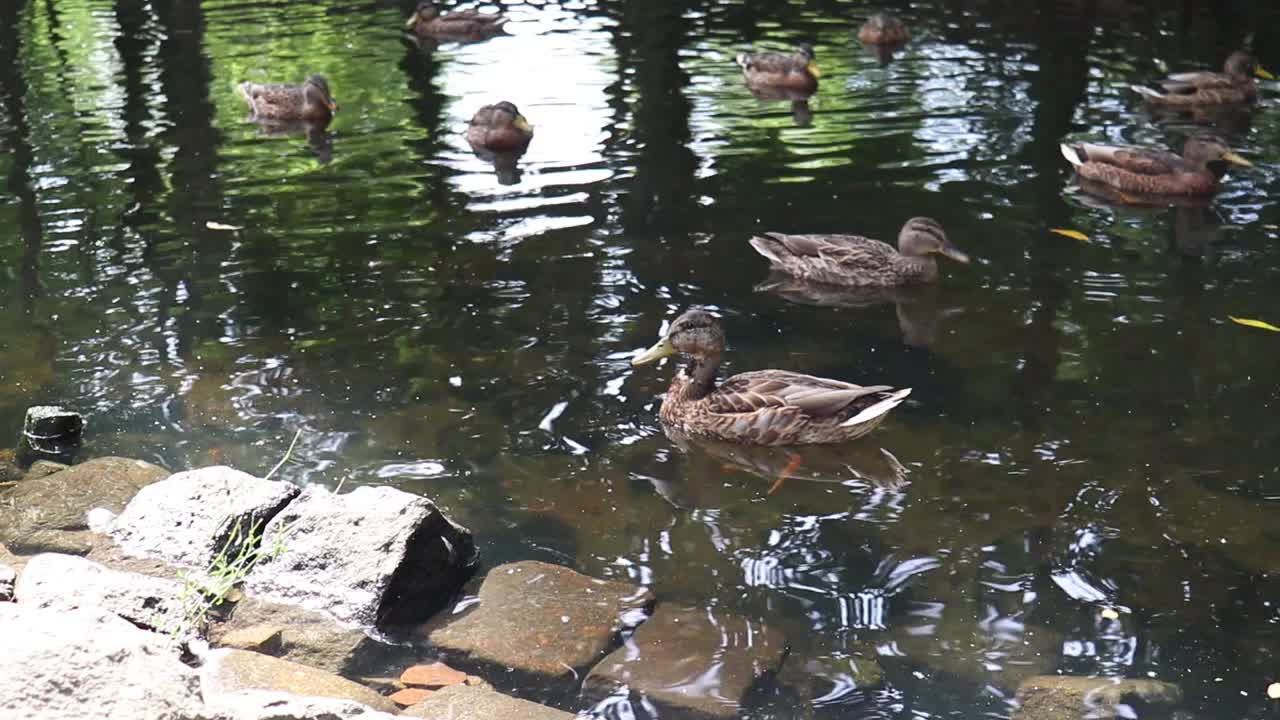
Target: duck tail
878, 409
768, 247
743, 59
1071, 154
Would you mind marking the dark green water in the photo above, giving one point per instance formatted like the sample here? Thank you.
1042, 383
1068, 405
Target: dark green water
1088, 430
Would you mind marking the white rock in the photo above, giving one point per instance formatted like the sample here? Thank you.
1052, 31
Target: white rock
374, 556
189, 517
65, 581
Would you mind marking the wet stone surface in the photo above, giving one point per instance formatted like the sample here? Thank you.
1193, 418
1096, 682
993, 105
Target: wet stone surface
541, 620
692, 661
1068, 697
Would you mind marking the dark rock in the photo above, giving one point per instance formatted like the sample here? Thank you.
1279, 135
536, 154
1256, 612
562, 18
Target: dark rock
48, 513
1068, 697
192, 516
541, 620
68, 581
463, 702
695, 662
50, 433
8, 578
374, 556
229, 671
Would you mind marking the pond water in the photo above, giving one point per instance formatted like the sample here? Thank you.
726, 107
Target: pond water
1083, 480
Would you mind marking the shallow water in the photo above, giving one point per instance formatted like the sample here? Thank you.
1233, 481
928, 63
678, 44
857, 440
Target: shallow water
1088, 430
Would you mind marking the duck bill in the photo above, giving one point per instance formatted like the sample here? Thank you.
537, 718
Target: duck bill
661, 349
413, 20
955, 253
1235, 159
521, 124
1263, 73
812, 67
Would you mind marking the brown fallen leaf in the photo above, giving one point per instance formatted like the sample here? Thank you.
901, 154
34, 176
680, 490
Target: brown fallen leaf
410, 696
434, 675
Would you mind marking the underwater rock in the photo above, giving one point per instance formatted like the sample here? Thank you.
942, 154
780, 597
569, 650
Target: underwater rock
541, 620
228, 671
192, 516
464, 702
66, 581
1069, 697
692, 661
374, 556
48, 513
49, 432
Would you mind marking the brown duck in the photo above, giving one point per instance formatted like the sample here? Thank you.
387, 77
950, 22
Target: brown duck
795, 71
499, 128
310, 101
765, 407
427, 20
884, 29
1153, 172
853, 260
1234, 85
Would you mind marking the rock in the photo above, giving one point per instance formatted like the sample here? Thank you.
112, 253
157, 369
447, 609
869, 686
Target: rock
266, 705
50, 433
374, 556
545, 621
8, 577
67, 581
192, 516
43, 468
266, 639
72, 664
434, 675
691, 662
230, 671
463, 702
48, 513
410, 696
9, 472
1068, 697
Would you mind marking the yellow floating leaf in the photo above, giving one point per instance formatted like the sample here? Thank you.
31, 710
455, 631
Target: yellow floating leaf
1073, 234
1110, 614
221, 226
1273, 691
1254, 323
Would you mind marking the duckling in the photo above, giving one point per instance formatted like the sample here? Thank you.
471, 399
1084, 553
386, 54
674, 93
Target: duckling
310, 101
853, 260
1154, 172
1234, 85
795, 71
460, 24
884, 29
499, 128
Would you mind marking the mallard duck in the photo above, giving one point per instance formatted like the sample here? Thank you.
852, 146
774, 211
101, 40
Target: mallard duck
765, 407
884, 29
795, 71
1234, 85
467, 24
855, 260
1153, 172
310, 101
499, 128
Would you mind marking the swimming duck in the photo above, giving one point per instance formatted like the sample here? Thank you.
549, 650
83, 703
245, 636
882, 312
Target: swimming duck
465, 24
765, 407
1153, 172
854, 260
499, 128
884, 29
310, 101
1234, 85
795, 71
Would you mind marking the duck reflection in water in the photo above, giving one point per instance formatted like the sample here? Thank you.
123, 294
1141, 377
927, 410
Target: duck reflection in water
499, 134
318, 136
921, 314
1196, 227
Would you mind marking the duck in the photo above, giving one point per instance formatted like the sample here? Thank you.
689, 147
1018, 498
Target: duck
884, 29
499, 128
427, 20
1149, 171
764, 407
310, 101
853, 260
796, 71
1233, 86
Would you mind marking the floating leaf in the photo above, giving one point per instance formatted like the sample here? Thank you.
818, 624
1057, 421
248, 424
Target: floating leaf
221, 226
1073, 234
1110, 614
1273, 691
1254, 323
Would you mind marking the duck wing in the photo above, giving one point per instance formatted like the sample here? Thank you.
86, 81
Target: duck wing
273, 100
1200, 80
827, 257
812, 396
1142, 161
772, 63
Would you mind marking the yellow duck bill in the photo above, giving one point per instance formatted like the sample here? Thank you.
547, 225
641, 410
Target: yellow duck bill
663, 348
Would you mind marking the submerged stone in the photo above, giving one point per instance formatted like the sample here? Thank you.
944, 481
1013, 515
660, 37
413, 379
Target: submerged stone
541, 620
693, 661
1069, 697
464, 702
